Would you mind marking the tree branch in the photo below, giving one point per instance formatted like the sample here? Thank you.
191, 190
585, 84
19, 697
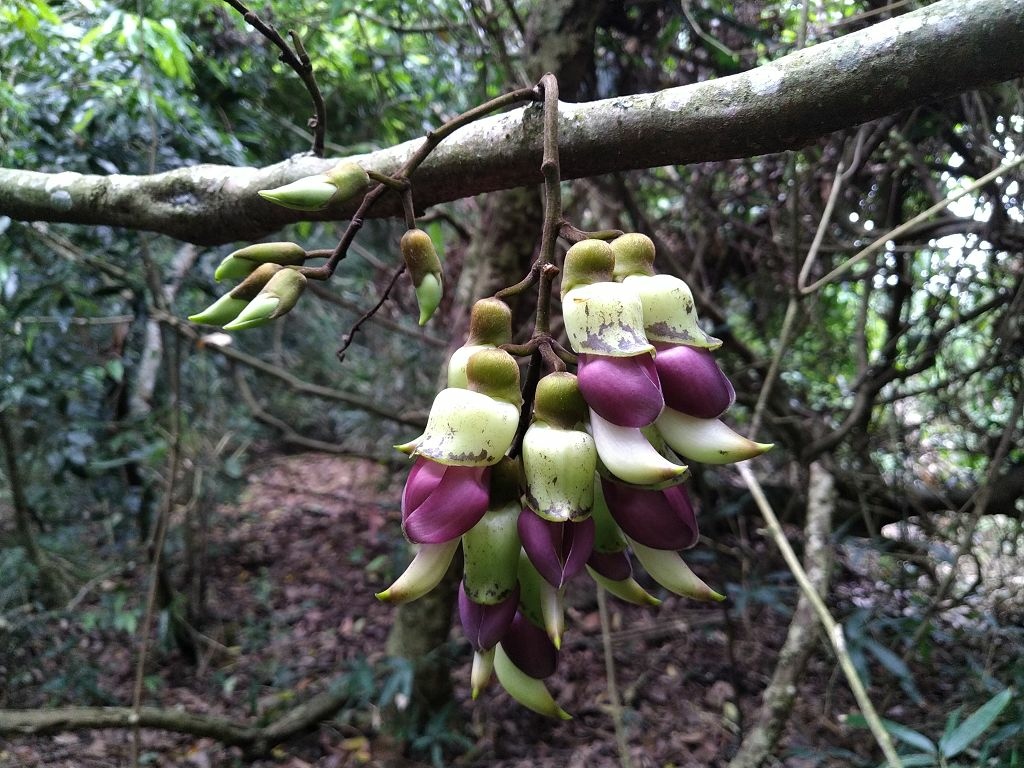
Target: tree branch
935, 52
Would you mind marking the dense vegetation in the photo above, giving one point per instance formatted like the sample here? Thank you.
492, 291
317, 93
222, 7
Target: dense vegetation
128, 441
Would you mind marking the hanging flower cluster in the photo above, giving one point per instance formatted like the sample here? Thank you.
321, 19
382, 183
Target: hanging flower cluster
597, 473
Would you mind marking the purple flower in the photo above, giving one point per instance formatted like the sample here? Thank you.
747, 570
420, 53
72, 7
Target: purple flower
662, 519
622, 390
692, 382
529, 648
485, 625
442, 502
611, 565
557, 550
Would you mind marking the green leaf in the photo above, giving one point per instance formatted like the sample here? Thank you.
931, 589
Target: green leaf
901, 732
975, 725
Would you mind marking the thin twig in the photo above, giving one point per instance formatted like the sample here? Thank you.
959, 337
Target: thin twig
833, 629
614, 701
892, 234
299, 61
351, 335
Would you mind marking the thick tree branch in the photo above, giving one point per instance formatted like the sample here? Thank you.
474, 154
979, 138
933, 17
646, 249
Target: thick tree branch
943, 49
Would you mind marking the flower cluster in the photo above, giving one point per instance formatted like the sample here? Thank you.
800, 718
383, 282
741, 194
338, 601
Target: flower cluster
597, 474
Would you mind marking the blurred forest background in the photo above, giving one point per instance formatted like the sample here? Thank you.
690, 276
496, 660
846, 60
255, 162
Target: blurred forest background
254, 486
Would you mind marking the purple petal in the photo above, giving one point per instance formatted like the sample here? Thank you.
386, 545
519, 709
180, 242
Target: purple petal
622, 390
557, 550
530, 648
453, 506
424, 477
692, 382
485, 625
611, 565
658, 519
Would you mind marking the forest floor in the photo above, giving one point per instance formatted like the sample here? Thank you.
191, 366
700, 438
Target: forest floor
294, 566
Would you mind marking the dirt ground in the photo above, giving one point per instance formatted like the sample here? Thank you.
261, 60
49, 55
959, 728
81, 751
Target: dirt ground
294, 567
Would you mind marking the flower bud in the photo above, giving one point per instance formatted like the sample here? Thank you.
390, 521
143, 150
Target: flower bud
424, 573
669, 311
441, 502
468, 428
634, 255
708, 441
424, 269
668, 569
692, 382
229, 306
490, 325
280, 294
605, 319
629, 456
318, 192
243, 261
495, 373
587, 262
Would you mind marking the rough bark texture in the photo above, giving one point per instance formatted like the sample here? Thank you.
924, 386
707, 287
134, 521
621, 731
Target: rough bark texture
937, 51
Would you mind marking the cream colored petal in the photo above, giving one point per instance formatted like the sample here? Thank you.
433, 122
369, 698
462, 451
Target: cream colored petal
709, 441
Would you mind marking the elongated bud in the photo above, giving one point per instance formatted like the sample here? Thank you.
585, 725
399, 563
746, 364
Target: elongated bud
423, 574
668, 569
528, 691
424, 269
634, 255
490, 326
483, 666
280, 294
318, 192
708, 441
223, 310
628, 589
243, 261
628, 455
229, 306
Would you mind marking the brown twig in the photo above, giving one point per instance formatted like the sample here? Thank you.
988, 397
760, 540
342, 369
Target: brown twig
298, 60
351, 335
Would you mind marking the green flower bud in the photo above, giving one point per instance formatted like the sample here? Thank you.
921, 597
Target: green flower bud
669, 311
424, 268
709, 441
222, 311
587, 262
280, 294
495, 373
491, 550
228, 307
318, 192
243, 261
530, 692
668, 569
467, 429
605, 319
558, 401
634, 255
490, 325
428, 296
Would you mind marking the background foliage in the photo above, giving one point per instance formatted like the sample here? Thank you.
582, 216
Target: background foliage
903, 378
